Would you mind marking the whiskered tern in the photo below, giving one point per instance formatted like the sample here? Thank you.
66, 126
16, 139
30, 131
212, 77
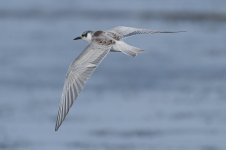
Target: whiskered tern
81, 69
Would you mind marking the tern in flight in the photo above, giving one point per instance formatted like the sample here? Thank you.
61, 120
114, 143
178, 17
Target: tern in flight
81, 69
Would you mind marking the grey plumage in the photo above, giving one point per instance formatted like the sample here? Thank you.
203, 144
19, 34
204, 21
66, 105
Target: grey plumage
78, 73
123, 32
81, 69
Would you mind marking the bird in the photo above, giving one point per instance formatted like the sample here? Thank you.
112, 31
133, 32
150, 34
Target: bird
101, 43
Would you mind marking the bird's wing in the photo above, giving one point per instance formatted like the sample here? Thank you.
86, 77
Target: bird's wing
78, 73
123, 31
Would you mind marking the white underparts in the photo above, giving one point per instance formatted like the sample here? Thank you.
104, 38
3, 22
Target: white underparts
88, 38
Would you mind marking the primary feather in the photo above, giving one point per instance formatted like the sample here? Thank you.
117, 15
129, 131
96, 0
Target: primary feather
81, 69
78, 73
124, 32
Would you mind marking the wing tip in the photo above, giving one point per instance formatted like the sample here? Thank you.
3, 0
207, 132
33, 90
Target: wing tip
174, 31
60, 118
58, 124
56, 128
59, 121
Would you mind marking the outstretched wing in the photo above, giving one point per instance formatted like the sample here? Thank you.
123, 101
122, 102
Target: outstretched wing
78, 73
122, 31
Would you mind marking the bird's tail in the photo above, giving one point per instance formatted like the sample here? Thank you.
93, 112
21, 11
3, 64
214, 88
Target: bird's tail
126, 48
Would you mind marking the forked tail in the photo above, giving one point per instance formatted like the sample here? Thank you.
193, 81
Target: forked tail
126, 49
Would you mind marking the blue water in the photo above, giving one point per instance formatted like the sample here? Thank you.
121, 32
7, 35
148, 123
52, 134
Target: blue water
171, 97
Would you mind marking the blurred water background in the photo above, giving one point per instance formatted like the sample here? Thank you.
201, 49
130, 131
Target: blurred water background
171, 97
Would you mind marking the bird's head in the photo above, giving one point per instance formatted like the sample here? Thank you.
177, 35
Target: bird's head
87, 36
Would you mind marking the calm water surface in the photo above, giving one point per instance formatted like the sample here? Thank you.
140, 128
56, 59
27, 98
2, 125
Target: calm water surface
171, 97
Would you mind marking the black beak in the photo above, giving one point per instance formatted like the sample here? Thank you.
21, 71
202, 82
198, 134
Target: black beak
77, 38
